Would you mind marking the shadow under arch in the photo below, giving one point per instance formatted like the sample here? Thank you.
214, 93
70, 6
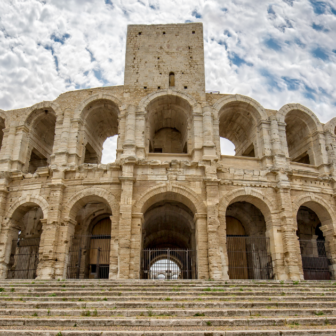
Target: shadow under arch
23, 234
239, 118
245, 219
315, 231
301, 126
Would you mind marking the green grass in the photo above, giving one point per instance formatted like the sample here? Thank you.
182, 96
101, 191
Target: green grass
59, 334
168, 299
319, 313
95, 313
12, 289
296, 282
35, 314
208, 323
86, 313
199, 314
2, 289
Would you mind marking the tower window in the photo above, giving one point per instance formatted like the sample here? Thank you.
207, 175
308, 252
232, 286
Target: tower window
171, 79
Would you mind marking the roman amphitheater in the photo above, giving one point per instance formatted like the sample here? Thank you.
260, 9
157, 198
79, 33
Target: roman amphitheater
171, 205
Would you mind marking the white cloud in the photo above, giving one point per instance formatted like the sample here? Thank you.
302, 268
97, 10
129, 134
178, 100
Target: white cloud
268, 50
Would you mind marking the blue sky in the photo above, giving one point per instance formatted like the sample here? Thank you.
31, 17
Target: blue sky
276, 52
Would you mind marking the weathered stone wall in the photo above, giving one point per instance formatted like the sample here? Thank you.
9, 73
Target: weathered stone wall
143, 189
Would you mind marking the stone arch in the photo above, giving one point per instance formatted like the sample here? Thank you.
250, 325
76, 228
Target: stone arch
187, 197
34, 111
260, 113
161, 93
309, 117
99, 96
38, 200
80, 199
238, 119
250, 195
316, 203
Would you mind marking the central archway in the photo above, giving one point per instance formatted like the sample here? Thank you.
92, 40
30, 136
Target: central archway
168, 241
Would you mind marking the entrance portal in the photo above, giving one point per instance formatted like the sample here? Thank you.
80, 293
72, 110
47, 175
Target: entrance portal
89, 256
247, 246
315, 262
168, 242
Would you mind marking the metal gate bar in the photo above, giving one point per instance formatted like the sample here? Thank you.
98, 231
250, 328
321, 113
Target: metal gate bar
24, 258
89, 257
249, 257
315, 262
168, 264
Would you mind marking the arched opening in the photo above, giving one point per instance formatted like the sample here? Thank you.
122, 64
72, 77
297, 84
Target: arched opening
247, 246
171, 79
41, 138
100, 130
168, 237
167, 125
299, 129
315, 262
2, 127
227, 147
89, 254
25, 234
238, 123
164, 268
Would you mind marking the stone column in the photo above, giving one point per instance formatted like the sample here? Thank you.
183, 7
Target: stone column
75, 147
215, 264
223, 244
263, 147
8, 233
209, 151
290, 241
125, 220
136, 243
50, 233
66, 233
7, 148
19, 153
140, 131
202, 246
114, 248
129, 143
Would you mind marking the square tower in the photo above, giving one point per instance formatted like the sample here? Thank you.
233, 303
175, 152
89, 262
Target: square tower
163, 56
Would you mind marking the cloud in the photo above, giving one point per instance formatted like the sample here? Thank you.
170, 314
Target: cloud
276, 52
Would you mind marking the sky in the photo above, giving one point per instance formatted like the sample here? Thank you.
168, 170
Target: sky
276, 52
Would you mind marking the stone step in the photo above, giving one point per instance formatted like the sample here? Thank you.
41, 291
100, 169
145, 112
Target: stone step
81, 289
166, 322
166, 305
269, 298
152, 312
164, 293
255, 332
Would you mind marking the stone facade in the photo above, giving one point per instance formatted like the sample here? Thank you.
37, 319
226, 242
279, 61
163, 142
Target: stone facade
169, 186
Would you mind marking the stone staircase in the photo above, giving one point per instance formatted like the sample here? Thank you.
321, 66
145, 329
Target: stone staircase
175, 307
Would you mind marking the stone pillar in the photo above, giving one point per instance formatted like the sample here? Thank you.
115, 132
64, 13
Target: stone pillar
290, 241
75, 147
209, 151
19, 153
136, 244
215, 264
202, 246
129, 143
223, 244
262, 148
8, 233
6, 148
114, 249
66, 233
50, 233
197, 134
279, 155
125, 220
140, 134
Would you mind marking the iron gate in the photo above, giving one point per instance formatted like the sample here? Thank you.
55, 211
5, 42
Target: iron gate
315, 262
249, 257
89, 257
168, 264
24, 258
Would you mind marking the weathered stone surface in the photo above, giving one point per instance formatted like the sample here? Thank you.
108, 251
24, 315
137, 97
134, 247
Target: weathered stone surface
169, 187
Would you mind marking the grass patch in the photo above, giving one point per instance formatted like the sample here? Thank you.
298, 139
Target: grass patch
208, 323
86, 313
319, 313
199, 314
